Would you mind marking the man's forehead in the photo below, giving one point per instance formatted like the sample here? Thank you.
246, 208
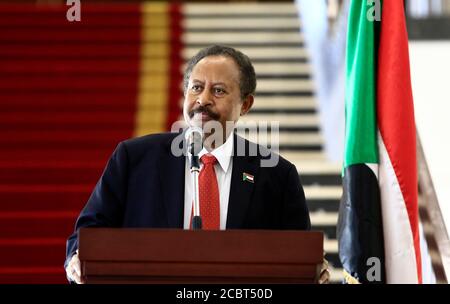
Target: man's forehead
219, 66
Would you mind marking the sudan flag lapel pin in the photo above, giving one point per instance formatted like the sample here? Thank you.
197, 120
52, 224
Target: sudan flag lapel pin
248, 178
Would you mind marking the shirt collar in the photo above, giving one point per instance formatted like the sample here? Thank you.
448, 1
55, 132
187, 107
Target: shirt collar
223, 153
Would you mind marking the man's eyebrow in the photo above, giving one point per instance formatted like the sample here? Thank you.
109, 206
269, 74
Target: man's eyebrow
214, 84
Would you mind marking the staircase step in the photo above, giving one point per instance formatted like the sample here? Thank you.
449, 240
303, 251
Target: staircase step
71, 35
32, 136
96, 9
238, 37
15, 198
330, 245
35, 154
282, 68
329, 231
82, 120
209, 9
42, 252
190, 23
284, 85
320, 218
127, 56
259, 110
322, 179
260, 52
16, 139
287, 102
283, 138
295, 147
323, 192
325, 205
50, 173
33, 275
49, 82
312, 156
285, 76
287, 120
28, 224
318, 167
54, 20
76, 100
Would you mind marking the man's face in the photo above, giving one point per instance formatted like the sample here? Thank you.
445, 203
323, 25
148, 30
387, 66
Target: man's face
213, 93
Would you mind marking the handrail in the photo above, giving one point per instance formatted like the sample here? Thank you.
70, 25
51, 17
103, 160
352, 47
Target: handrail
434, 214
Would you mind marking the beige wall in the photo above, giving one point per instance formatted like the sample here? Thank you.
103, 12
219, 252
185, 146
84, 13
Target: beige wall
430, 72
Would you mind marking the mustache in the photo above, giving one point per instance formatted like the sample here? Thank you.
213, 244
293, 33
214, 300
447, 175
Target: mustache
205, 110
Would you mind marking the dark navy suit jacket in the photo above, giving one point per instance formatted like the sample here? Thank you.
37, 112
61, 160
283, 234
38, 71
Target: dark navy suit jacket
143, 186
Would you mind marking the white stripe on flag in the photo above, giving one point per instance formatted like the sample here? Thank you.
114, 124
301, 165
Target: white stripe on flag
398, 240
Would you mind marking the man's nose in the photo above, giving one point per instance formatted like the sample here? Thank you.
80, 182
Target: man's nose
205, 98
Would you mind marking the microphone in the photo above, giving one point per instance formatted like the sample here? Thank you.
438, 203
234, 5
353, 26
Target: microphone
194, 140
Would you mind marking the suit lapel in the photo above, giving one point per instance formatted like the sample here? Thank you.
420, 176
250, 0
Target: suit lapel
172, 183
240, 190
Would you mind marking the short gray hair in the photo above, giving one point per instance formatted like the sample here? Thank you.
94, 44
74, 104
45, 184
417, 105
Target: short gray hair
247, 83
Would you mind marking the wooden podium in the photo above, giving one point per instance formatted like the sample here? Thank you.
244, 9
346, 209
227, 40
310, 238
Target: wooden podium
119, 255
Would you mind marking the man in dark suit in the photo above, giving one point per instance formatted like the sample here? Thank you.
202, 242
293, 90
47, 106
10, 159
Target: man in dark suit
146, 184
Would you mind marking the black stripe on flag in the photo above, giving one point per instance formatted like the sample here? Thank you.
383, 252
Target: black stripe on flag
360, 227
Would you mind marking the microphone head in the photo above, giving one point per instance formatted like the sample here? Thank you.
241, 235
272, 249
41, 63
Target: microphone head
194, 140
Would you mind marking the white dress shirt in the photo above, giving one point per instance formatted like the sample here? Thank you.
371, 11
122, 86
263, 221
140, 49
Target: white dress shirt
223, 169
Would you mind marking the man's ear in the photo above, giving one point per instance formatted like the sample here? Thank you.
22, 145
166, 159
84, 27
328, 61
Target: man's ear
247, 104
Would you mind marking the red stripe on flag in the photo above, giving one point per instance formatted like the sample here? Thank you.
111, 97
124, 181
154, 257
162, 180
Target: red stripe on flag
396, 111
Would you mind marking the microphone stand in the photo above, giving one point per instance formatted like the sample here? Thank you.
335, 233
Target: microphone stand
195, 169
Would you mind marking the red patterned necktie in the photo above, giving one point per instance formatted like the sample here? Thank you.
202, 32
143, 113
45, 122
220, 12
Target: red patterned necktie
209, 194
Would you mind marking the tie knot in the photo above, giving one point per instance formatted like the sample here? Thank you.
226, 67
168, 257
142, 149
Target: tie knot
208, 159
